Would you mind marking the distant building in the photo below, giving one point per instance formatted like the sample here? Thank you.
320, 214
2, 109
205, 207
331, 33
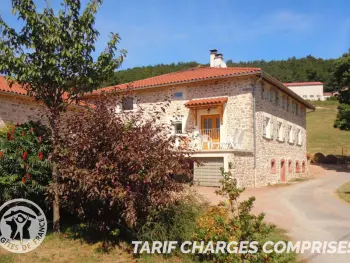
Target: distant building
307, 90
327, 95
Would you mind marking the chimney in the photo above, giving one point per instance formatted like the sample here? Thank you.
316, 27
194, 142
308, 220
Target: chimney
212, 57
216, 60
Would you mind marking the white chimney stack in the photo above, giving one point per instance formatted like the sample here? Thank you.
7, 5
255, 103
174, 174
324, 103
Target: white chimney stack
212, 57
216, 60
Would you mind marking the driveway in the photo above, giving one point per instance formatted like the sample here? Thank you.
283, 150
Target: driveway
309, 210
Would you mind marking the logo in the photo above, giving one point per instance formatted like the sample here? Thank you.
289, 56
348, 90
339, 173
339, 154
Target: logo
23, 225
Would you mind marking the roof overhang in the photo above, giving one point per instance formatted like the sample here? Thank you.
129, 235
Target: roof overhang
285, 89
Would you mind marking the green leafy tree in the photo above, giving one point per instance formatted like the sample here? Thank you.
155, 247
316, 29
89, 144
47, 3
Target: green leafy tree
51, 57
25, 170
341, 75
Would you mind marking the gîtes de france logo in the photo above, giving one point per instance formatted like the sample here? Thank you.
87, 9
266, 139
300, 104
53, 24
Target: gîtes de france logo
23, 225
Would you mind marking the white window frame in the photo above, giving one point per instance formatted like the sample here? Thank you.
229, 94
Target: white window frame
267, 127
176, 131
133, 105
300, 137
290, 134
280, 130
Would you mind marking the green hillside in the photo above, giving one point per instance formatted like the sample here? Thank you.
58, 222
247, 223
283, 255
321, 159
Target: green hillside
322, 137
290, 70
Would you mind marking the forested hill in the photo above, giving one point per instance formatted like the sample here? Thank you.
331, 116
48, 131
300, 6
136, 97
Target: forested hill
290, 70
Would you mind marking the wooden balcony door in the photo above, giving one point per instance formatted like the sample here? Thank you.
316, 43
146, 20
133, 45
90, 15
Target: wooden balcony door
210, 125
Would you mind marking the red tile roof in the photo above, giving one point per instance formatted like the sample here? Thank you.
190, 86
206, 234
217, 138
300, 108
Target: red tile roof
4, 86
199, 102
302, 83
188, 75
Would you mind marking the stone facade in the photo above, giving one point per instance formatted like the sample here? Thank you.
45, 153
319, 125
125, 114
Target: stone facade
237, 115
280, 109
18, 108
237, 121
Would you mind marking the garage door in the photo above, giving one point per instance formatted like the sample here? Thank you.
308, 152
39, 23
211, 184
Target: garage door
209, 174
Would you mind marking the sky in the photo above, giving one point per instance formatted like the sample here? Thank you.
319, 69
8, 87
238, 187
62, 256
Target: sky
165, 31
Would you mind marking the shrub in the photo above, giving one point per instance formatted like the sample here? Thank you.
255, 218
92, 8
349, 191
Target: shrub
25, 170
175, 222
116, 169
331, 159
319, 158
234, 222
343, 117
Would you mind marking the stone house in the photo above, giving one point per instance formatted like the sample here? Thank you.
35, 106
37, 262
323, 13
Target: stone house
16, 105
240, 119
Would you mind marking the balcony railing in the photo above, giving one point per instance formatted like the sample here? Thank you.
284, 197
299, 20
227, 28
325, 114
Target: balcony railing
210, 139
213, 134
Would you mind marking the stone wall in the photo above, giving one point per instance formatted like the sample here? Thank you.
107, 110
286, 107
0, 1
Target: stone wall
18, 108
269, 149
237, 111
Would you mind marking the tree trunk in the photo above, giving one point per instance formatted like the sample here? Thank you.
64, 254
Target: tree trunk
54, 120
56, 202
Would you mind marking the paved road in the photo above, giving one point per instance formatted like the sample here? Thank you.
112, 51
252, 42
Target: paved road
309, 210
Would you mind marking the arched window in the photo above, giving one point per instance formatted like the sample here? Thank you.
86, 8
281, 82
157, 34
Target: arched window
303, 167
297, 167
290, 166
273, 166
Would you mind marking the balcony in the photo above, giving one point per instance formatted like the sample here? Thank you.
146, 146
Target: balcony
212, 140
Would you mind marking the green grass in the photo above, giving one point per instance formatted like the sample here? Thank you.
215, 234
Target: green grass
344, 192
61, 249
321, 136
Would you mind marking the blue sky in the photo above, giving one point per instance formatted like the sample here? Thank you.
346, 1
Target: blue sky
164, 31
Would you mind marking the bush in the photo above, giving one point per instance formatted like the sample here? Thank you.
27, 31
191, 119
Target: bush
235, 222
331, 159
175, 222
319, 158
116, 170
343, 117
25, 171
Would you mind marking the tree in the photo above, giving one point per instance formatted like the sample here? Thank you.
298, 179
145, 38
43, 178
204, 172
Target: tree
118, 169
52, 58
341, 75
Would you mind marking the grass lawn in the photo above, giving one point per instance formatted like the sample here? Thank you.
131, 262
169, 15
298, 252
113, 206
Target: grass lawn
344, 192
60, 249
322, 137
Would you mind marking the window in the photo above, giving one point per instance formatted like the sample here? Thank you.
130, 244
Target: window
280, 128
311, 96
267, 128
272, 95
277, 99
287, 104
266, 93
297, 167
290, 166
290, 134
128, 103
318, 96
283, 102
300, 137
297, 109
178, 95
305, 96
273, 168
303, 167
178, 127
